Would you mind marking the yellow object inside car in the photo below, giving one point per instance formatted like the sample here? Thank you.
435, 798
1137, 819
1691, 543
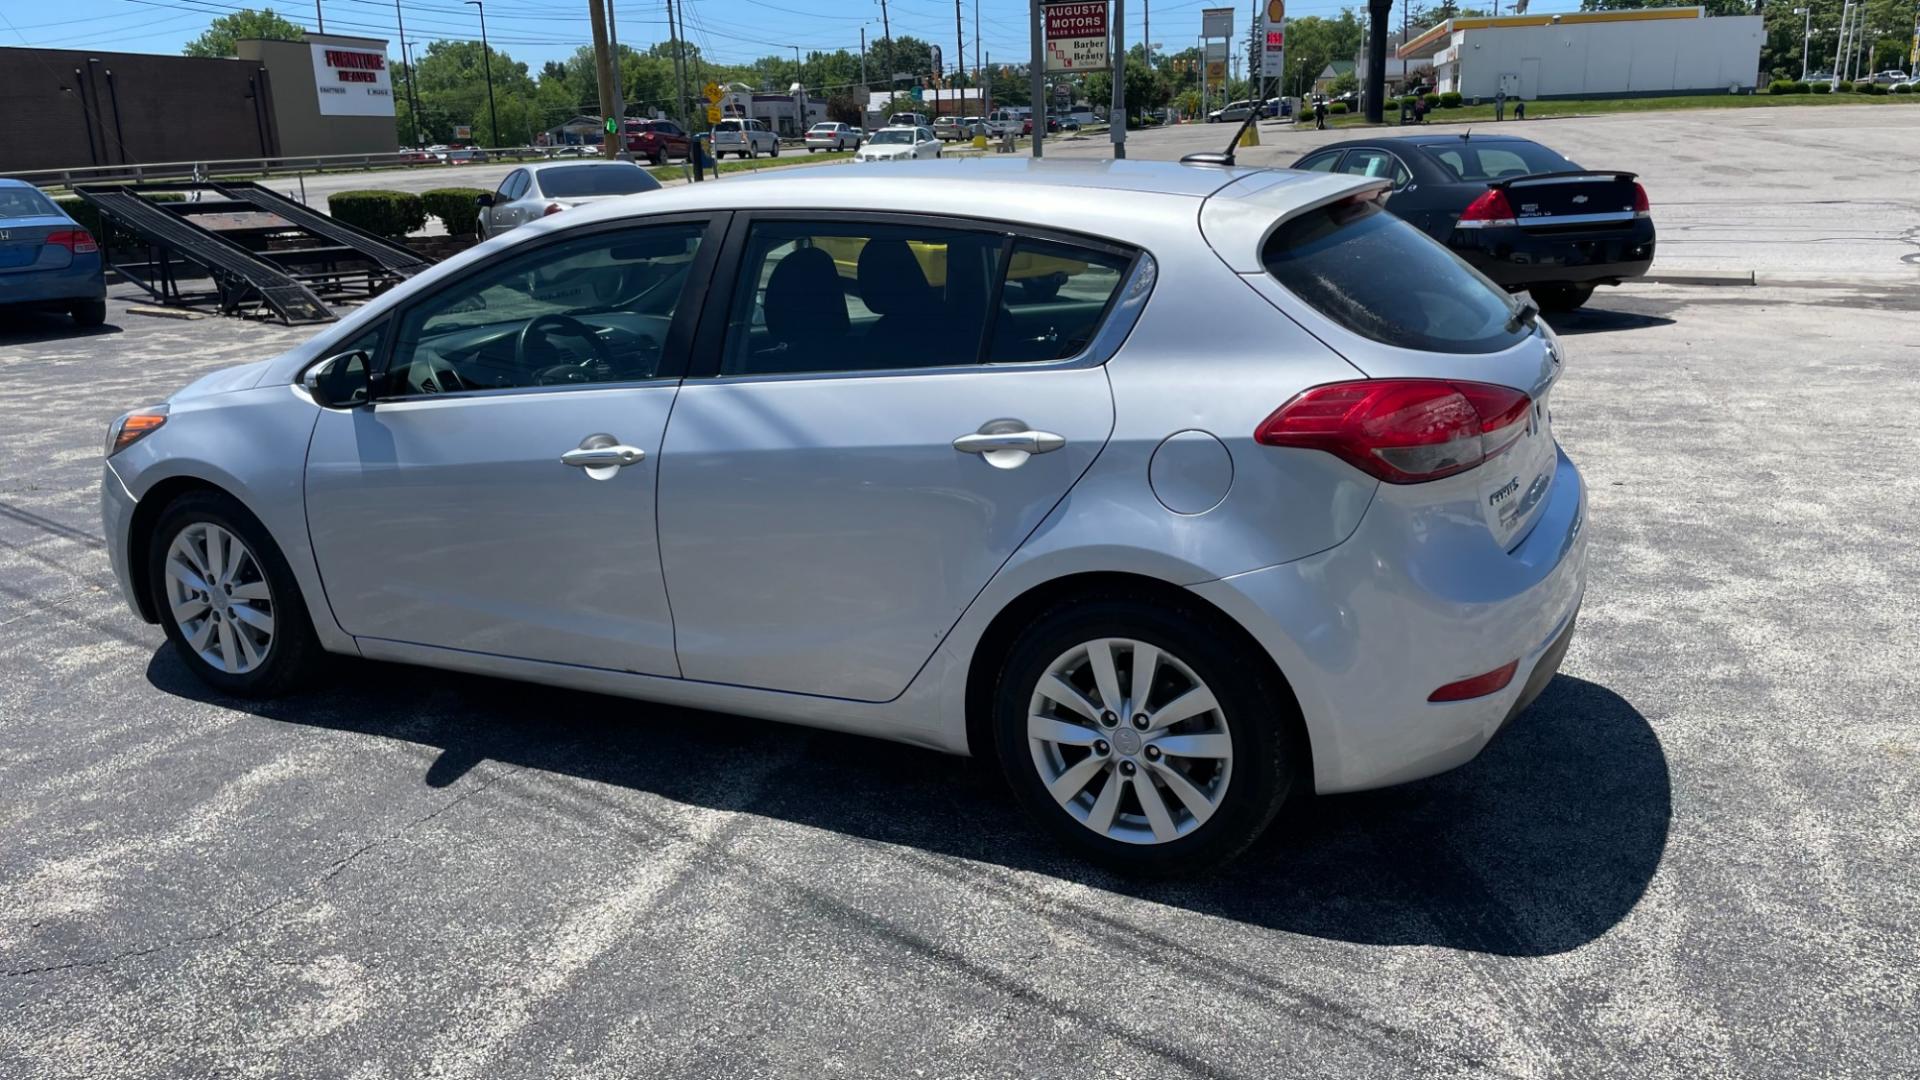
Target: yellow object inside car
933, 260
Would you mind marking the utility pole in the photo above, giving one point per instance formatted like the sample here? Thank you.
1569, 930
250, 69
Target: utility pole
887, 29
679, 72
863, 59
1376, 88
619, 84
1117, 114
319, 18
977, 73
486, 58
1840, 49
959, 52
413, 107
1806, 36
603, 72
1037, 77
1146, 29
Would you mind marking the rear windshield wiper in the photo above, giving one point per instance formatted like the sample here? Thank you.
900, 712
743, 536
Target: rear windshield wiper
1524, 315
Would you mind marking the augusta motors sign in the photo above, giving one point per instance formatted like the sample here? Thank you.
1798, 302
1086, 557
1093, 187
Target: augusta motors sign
1077, 37
352, 82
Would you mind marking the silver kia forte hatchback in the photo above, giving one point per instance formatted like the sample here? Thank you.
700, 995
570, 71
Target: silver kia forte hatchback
1173, 488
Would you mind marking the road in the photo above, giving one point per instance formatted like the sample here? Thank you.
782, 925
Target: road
1693, 857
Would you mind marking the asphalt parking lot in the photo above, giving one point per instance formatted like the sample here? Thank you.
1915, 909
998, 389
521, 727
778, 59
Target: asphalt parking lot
1693, 857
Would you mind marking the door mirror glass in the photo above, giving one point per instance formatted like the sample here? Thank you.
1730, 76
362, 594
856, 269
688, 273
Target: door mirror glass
483, 200
340, 382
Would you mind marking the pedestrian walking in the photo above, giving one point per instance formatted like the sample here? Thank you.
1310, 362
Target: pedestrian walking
1320, 113
1500, 104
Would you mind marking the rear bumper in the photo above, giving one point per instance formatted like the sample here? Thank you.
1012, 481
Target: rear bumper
1364, 632
1516, 257
81, 279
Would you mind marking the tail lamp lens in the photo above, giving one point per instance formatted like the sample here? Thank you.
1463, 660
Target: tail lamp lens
77, 241
1491, 210
1402, 431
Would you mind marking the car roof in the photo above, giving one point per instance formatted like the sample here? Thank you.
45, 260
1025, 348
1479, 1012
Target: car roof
5, 182
541, 166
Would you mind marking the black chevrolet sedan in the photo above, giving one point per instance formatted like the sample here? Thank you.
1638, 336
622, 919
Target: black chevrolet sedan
1518, 212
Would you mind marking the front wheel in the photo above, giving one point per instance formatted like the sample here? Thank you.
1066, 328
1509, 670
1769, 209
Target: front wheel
88, 312
227, 599
1561, 298
1136, 737
775, 152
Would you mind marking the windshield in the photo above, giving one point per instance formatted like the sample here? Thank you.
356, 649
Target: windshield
828, 128
608, 179
893, 136
24, 202
1380, 277
1499, 160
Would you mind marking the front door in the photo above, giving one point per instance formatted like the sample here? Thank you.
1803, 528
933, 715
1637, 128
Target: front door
498, 494
894, 408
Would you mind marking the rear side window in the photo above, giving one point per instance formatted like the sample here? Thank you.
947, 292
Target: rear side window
1382, 278
1054, 300
24, 202
580, 181
1497, 160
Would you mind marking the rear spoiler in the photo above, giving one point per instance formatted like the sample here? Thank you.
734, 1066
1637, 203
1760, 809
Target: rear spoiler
1555, 177
1237, 219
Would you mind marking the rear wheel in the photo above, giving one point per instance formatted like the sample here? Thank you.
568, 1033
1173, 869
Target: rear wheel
1135, 737
775, 152
228, 600
89, 312
658, 157
1561, 297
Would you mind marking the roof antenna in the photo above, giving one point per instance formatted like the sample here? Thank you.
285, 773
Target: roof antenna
1238, 134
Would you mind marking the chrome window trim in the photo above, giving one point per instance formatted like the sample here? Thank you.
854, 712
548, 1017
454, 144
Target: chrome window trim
1576, 219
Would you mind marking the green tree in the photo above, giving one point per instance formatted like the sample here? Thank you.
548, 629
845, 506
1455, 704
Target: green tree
1314, 42
222, 32
1714, 7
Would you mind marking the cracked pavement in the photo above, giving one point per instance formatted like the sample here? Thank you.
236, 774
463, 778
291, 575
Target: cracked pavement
1693, 857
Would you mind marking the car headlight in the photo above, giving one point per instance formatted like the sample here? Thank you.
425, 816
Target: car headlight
131, 427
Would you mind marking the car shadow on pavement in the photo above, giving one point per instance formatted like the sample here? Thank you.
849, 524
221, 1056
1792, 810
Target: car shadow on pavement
1592, 320
34, 327
1539, 846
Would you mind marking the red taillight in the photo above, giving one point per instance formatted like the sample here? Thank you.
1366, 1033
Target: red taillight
1490, 210
77, 241
1479, 686
1403, 431
1640, 207
552, 208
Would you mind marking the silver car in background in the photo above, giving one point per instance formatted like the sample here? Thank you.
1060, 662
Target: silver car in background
533, 191
1260, 495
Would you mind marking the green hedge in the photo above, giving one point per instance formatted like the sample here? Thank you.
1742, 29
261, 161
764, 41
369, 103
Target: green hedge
1432, 100
1821, 88
455, 208
1872, 89
392, 214
1337, 108
83, 212
1787, 86
1843, 88
1451, 99
1903, 88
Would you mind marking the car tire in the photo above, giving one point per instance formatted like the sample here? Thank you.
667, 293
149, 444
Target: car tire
1560, 298
234, 656
1253, 723
658, 157
88, 312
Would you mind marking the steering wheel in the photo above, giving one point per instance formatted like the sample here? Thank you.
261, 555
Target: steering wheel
566, 326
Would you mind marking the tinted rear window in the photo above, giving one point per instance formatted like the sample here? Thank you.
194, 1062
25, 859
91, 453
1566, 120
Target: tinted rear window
583, 180
24, 202
1382, 278
1497, 160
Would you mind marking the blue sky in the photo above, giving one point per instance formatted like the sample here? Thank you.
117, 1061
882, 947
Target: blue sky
731, 31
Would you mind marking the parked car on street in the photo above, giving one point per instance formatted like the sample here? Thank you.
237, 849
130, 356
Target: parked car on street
534, 191
1164, 570
1026, 125
464, 155
747, 138
418, 157
832, 136
909, 119
946, 128
1233, 111
47, 261
1516, 211
657, 140
571, 152
899, 144
1890, 77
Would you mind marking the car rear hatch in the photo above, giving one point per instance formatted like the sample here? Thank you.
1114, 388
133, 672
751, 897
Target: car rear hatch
24, 246
1458, 354
1584, 201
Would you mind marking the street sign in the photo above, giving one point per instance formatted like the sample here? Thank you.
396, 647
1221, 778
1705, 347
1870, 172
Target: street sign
713, 114
611, 125
917, 95
1077, 36
464, 132
1216, 71
713, 92
1216, 22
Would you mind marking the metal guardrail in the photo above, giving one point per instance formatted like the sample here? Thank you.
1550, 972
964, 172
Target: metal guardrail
238, 167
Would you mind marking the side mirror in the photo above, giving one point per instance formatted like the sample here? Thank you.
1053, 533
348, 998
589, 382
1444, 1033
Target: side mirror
340, 382
483, 200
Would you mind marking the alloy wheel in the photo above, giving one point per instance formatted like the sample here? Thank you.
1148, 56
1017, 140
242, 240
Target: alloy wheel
219, 598
1129, 741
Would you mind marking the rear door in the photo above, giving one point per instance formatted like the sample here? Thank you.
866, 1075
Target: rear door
849, 474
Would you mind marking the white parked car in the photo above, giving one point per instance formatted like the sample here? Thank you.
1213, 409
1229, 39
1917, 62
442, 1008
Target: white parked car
900, 144
832, 137
747, 138
909, 119
534, 191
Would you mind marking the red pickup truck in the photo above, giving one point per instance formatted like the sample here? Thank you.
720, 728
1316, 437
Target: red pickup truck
657, 140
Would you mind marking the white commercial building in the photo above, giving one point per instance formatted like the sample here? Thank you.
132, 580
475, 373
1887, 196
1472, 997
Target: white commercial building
1641, 53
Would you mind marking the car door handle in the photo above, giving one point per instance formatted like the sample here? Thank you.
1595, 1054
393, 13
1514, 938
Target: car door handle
603, 457
1031, 442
